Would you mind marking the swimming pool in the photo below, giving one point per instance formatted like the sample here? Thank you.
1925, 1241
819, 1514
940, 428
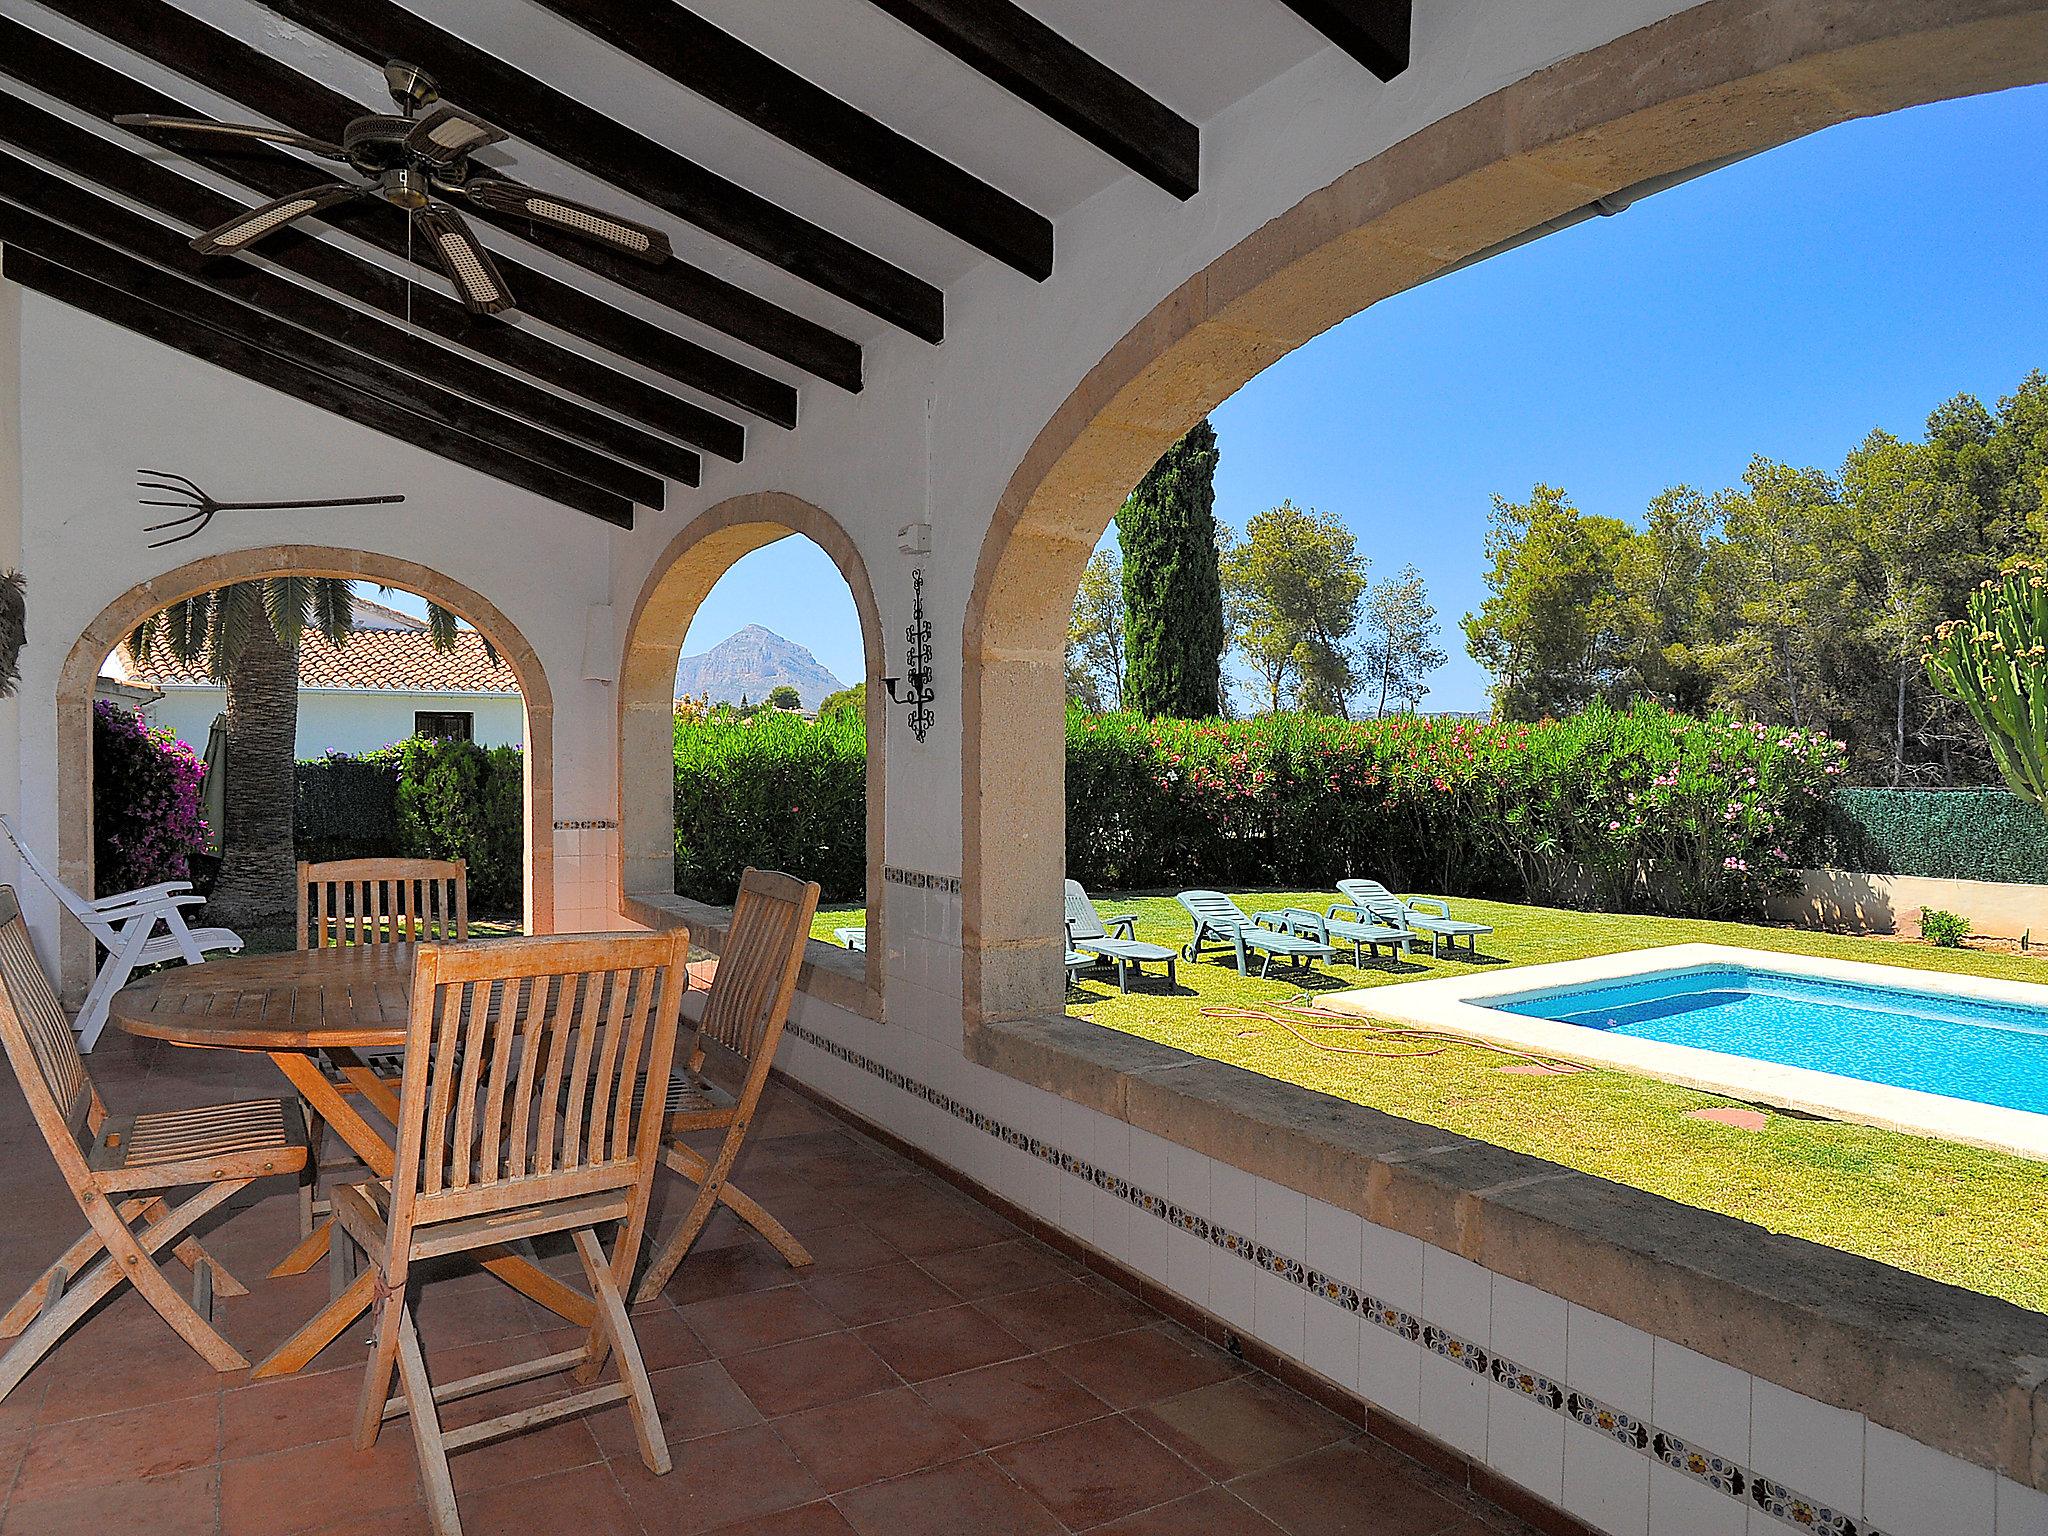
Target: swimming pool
1964, 1058
1964, 1047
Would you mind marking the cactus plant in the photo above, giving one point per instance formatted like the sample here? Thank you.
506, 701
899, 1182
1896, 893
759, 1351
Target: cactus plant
1994, 662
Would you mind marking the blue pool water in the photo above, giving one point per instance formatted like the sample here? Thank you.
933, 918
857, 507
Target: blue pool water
1993, 1053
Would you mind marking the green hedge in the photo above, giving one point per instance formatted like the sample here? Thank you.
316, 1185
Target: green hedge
421, 799
1637, 810
774, 790
1945, 834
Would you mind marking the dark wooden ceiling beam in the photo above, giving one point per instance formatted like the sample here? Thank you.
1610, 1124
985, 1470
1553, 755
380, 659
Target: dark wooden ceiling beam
54, 198
609, 150
1374, 32
746, 82
195, 50
493, 439
106, 164
1083, 95
95, 88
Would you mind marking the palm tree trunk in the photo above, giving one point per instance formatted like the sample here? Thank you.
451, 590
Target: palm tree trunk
258, 867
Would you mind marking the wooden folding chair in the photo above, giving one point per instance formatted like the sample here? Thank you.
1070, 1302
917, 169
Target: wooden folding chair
368, 901
118, 1169
744, 1011
525, 1111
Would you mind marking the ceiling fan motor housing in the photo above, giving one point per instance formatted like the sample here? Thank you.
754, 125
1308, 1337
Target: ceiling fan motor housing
410, 86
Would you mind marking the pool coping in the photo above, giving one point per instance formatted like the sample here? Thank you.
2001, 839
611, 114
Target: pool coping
1457, 1005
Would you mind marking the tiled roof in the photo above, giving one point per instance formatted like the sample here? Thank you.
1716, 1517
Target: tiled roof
401, 660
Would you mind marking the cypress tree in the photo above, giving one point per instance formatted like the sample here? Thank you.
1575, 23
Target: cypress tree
1173, 592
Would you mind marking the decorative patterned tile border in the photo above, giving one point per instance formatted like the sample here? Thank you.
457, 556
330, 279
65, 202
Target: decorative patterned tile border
1717, 1472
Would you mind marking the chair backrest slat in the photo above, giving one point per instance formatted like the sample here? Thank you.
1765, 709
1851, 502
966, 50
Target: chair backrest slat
75, 904
749, 998
40, 1044
1376, 899
1083, 921
490, 1126
383, 901
1215, 909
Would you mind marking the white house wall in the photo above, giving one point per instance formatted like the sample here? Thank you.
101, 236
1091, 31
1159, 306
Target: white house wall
351, 720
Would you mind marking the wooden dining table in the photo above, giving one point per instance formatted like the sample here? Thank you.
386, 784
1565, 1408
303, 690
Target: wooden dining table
343, 1003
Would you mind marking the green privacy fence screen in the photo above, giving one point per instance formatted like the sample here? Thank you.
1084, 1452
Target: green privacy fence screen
1945, 834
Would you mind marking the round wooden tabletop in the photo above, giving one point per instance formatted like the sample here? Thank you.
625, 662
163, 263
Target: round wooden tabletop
355, 995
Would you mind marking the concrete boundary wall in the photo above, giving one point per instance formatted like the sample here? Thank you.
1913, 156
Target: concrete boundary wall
1843, 901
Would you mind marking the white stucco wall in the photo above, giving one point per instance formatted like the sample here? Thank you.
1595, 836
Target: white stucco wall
349, 719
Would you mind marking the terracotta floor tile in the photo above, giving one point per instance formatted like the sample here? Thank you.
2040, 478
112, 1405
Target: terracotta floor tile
1142, 1366
183, 1504
1241, 1425
972, 1273
587, 1501
846, 1245
122, 1447
298, 1489
861, 1441
1098, 1471
1015, 1400
693, 1401
1068, 1311
963, 1496
1212, 1512
940, 1227
287, 1411
472, 1308
733, 1325
941, 1343
875, 1295
411, 1521
735, 1270
124, 1353
666, 1339
809, 1373
1346, 1491
548, 1451
718, 1481
819, 1519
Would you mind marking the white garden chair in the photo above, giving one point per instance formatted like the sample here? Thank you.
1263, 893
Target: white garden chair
126, 927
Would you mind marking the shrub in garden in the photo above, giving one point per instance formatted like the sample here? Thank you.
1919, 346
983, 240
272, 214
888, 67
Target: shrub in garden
457, 800
145, 808
1944, 930
1637, 809
774, 790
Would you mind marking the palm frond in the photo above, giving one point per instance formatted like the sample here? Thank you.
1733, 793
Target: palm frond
442, 626
238, 618
334, 609
287, 601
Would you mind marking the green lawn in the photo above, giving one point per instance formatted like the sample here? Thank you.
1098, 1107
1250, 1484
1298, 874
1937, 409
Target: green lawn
1976, 1219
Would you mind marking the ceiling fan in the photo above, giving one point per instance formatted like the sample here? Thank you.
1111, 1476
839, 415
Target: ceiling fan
412, 162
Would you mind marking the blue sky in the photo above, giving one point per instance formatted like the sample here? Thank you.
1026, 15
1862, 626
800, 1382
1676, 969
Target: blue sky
1783, 306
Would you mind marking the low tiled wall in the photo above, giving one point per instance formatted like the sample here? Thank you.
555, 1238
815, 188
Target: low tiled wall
1645, 1367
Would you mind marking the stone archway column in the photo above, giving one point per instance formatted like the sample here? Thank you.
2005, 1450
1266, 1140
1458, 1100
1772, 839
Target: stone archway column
1718, 80
118, 620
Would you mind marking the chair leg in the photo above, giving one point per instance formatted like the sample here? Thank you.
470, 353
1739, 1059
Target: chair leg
676, 1247
377, 1377
309, 1185
435, 1484
614, 1325
691, 1165
85, 1291
142, 1273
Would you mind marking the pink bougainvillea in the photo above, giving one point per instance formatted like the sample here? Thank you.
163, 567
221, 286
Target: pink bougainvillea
145, 819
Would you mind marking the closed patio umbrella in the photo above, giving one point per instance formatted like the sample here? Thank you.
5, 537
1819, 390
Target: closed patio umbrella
213, 789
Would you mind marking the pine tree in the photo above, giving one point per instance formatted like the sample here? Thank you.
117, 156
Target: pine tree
1173, 593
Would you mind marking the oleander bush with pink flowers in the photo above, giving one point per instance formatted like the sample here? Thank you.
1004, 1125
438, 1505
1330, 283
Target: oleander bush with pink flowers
146, 823
1624, 810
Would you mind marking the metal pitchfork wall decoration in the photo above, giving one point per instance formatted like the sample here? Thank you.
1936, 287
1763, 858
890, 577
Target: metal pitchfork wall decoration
917, 657
200, 507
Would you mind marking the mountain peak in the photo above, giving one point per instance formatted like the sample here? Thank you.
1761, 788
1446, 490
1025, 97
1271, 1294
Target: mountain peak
748, 664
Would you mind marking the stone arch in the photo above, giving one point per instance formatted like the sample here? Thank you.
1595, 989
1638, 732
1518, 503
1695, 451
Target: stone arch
118, 620
675, 588
1721, 79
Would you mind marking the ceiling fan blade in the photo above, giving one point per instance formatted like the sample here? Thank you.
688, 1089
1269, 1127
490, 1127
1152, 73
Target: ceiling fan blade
252, 225
463, 257
150, 120
445, 135
503, 196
